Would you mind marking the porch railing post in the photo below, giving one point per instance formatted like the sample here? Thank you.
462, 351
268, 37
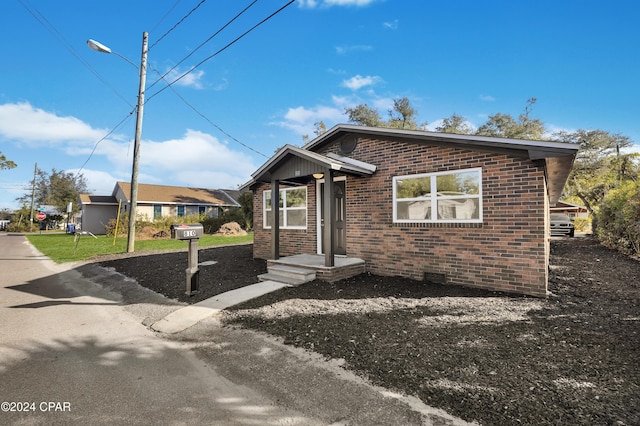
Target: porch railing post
329, 218
275, 219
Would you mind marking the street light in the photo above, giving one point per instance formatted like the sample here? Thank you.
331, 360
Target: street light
131, 235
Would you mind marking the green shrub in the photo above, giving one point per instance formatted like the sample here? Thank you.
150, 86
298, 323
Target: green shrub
211, 225
618, 219
582, 224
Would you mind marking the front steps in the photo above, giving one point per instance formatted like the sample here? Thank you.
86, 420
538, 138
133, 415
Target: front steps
292, 275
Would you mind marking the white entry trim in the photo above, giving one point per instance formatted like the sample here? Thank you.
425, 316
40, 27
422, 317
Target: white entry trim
319, 212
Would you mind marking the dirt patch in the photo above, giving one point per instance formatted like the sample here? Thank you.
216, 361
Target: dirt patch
489, 357
231, 229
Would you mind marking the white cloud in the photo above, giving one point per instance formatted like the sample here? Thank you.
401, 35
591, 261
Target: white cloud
341, 101
487, 98
193, 79
393, 25
158, 160
205, 154
100, 182
34, 126
203, 161
357, 82
383, 104
301, 119
633, 149
552, 129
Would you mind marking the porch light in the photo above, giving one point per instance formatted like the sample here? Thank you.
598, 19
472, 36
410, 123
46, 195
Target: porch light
318, 175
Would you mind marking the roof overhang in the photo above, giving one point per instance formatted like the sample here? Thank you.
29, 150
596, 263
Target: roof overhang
291, 162
534, 149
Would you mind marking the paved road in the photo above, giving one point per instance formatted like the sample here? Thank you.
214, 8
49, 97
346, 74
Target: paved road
75, 349
64, 340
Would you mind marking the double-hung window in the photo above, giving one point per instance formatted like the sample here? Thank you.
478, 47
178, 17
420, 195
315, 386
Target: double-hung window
293, 208
442, 197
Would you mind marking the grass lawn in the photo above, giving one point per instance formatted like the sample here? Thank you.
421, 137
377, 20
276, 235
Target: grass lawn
63, 248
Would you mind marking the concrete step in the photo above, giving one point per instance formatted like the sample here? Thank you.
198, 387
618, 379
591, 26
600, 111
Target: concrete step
288, 274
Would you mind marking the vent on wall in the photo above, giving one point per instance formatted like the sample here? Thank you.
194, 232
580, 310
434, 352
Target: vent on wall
348, 144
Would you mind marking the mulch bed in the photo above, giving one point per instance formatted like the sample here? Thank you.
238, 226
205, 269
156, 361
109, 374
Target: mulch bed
488, 357
165, 273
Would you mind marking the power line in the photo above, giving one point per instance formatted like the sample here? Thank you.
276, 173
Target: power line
42, 20
202, 44
221, 50
177, 23
164, 16
211, 122
127, 118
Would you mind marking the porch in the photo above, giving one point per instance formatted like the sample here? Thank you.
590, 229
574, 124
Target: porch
307, 267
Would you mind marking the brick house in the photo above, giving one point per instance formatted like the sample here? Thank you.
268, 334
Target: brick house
446, 208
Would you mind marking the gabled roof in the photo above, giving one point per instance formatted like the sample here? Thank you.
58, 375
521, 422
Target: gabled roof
314, 163
163, 194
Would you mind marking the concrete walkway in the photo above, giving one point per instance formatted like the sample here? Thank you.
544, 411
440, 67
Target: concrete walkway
188, 316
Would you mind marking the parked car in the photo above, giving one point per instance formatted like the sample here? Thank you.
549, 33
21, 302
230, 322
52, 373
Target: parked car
562, 225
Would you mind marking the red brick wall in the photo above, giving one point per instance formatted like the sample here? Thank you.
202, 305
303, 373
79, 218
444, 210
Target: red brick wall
507, 252
292, 241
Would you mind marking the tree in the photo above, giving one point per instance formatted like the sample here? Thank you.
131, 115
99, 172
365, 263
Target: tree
57, 189
402, 116
319, 129
599, 165
246, 206
618, 218
363, 115
505, 126
6, 164
455, 124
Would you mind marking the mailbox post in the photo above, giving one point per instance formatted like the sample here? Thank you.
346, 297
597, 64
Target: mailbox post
191, 233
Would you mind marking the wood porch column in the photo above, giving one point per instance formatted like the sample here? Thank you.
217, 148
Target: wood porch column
329, 218
275, 219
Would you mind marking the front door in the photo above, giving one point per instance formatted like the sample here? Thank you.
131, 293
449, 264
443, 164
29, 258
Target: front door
340, 225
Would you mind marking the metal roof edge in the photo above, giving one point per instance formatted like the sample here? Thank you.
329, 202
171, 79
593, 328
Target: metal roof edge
550, 147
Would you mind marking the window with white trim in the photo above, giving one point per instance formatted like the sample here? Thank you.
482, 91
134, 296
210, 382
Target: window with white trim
293, 208
442, 197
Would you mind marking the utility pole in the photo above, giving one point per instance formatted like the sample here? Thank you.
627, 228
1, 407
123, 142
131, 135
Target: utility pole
133, 199
33, 194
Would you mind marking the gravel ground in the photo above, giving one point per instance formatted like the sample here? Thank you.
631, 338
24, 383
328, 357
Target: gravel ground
489, 357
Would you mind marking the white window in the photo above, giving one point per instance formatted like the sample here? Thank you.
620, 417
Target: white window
443, 197
293, 208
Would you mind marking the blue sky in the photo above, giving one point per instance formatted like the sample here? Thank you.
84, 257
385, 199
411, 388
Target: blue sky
58, 98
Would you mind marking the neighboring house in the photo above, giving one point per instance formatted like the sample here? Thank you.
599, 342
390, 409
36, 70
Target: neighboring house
446, 208
154, 202
571, 210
